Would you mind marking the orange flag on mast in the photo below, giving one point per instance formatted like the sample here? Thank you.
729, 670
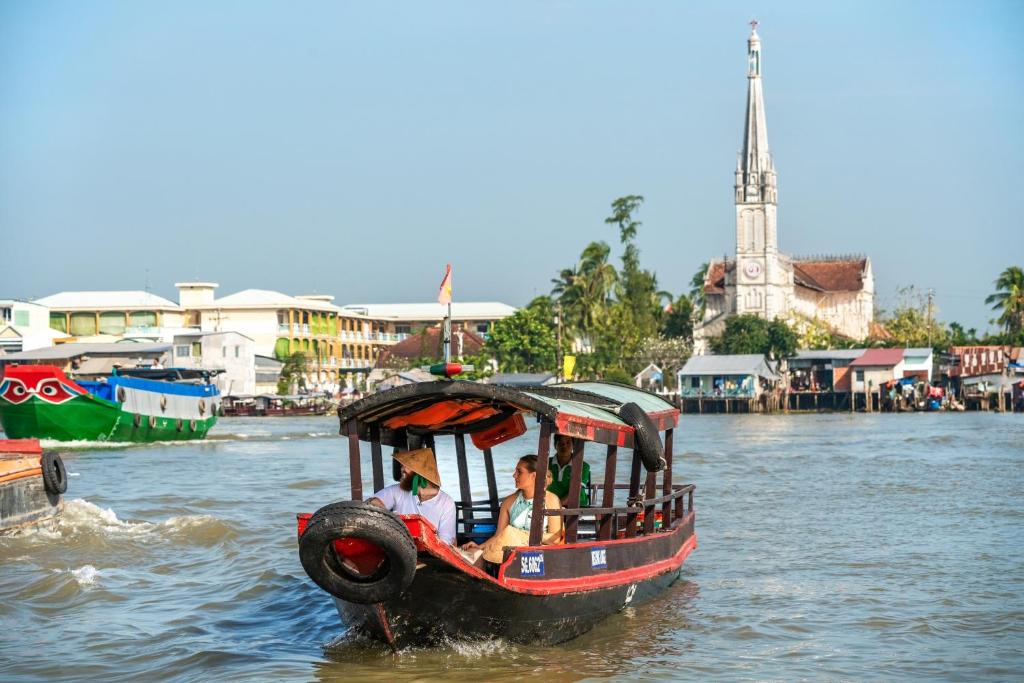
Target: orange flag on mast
445, 295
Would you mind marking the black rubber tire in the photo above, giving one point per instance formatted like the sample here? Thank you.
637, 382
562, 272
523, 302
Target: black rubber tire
645, 437
362, 520
55, 475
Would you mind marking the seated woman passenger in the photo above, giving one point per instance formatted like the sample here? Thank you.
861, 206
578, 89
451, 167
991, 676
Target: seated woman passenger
513, 528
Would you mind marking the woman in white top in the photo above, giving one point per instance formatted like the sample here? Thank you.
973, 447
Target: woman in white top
516, 515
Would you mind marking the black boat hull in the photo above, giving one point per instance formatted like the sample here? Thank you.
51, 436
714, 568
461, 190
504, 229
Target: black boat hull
449, 610
445, 602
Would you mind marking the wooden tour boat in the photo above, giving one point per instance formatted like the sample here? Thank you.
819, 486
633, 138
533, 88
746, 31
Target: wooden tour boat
31, 484
394, 579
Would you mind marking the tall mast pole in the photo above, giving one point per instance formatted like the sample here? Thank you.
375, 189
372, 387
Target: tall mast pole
448, 335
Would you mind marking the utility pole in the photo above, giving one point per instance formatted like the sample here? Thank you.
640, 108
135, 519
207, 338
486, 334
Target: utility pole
558, 343
931, 301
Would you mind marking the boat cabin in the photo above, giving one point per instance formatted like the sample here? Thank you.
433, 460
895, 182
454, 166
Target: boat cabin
419, 415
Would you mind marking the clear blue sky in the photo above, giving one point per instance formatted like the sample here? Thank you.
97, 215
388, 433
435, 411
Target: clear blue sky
354, 149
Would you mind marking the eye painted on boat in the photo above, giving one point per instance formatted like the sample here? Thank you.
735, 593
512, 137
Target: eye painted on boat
13, 391
52, 391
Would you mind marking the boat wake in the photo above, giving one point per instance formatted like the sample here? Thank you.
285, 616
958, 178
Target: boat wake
85, 576
81, 520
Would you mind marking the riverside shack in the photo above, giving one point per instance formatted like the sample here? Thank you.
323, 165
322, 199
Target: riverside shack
821, 378
730, 383
873, 370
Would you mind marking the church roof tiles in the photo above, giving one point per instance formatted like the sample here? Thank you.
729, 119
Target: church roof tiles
830, 276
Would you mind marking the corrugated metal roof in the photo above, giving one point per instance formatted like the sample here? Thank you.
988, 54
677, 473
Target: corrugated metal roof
66, 351
461, 310
829, 354
740, 364
112, 300
521, 379
267, 298
879, 357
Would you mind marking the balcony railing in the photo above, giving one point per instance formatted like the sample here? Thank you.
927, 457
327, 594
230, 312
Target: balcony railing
690, 392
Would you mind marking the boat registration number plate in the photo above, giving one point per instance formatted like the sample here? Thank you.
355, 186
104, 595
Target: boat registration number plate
532, 563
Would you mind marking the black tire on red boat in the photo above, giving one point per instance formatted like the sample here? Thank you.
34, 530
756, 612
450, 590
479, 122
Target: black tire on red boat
645, 436
356, 519
55, 475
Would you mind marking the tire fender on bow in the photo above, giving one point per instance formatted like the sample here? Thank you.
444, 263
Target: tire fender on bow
645, 436
358, 552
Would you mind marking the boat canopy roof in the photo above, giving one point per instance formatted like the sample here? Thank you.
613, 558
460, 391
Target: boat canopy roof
584, 410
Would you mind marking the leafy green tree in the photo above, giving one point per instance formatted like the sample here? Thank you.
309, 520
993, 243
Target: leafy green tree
677, 323
911, 323
752, 334
637, 288
669, 354
958, 336
617, 375
523, 342
1008, 300
909, 326
293, 373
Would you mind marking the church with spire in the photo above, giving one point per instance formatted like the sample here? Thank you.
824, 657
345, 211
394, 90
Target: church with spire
835, 291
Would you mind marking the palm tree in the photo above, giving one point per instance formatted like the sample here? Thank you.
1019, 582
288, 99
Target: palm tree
697, 289
1009, 299
584, 290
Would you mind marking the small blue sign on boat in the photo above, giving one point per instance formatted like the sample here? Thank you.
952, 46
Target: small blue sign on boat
599, 558
532, 563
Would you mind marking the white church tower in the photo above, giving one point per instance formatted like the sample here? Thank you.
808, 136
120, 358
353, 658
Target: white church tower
761, 281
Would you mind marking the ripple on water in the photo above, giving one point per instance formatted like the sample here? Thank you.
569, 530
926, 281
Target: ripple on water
830, 549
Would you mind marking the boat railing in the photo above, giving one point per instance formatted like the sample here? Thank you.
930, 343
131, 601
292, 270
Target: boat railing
626, 520
478, 519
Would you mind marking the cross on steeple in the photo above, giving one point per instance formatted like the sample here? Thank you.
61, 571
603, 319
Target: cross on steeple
753, 24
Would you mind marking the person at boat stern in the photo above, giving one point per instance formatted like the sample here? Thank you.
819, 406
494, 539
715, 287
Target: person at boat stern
560, 467
418, 492
516, 514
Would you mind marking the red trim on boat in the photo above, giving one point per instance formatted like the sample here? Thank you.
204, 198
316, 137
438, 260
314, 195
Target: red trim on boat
584, 583
425, 535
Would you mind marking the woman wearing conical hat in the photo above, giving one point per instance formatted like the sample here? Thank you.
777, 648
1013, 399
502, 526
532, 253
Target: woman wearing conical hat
419, 492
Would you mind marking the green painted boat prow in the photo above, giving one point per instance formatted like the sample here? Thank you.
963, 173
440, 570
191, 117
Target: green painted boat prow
87, 418
57, 408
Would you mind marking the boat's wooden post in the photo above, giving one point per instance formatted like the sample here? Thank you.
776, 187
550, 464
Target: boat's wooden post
464, 491
666, 478
539, 522
492, 484
378, 459
354, 469
649, 491
608, 499
634, 493
573, 499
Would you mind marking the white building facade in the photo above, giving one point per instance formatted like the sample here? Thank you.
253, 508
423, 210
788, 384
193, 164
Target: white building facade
760, 280
25, 326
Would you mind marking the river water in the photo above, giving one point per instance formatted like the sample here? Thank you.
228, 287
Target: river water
831, 547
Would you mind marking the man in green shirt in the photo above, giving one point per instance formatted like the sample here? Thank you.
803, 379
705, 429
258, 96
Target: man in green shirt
560, 468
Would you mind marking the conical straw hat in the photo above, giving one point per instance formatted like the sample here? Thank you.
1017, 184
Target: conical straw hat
422, 462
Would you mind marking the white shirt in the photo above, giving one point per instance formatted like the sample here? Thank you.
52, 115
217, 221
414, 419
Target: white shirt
440, 509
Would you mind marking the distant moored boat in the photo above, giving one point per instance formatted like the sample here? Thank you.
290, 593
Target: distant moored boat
40, 401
